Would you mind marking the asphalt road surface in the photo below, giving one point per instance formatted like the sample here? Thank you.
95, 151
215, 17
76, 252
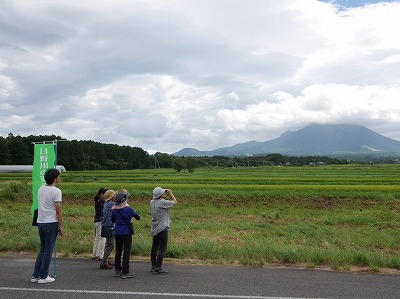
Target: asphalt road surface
82, 278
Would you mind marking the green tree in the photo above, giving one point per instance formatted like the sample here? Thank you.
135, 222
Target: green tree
277, 159
163, 160
178, 163
5, 157
191, 164
19, 151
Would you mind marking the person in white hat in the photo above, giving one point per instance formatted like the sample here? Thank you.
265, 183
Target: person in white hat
160, 223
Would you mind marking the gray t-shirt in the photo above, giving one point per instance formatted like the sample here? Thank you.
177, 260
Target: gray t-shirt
159, 214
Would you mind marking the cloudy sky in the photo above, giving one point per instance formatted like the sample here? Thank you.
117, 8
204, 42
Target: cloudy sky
165, 75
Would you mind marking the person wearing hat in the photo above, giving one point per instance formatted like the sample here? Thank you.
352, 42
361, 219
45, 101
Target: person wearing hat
122, 215
160, 223
99, 241
107, 221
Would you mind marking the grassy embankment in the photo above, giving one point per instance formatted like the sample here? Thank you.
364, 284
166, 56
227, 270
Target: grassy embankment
335, 216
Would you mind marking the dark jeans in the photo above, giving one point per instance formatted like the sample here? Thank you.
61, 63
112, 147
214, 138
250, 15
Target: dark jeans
48, 234
123, 243
159, 248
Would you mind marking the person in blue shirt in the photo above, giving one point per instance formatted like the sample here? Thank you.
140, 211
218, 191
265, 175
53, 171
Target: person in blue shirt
122, 215
109, 198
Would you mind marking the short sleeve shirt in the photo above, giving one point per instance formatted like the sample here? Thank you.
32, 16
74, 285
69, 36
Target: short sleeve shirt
48, 196
159, 214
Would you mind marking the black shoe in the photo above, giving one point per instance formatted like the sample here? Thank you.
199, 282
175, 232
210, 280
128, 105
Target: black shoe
153, 268
160, 271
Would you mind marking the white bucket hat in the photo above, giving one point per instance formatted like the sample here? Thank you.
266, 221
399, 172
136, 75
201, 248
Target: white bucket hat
157, 192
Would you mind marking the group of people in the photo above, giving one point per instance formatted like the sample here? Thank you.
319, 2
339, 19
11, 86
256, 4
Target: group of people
112, 212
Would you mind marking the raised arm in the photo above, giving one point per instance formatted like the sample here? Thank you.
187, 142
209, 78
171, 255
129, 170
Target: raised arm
169, 191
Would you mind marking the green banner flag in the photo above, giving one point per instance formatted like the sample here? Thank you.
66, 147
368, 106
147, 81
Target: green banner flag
44, 158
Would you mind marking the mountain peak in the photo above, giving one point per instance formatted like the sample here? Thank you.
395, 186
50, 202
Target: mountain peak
314, 139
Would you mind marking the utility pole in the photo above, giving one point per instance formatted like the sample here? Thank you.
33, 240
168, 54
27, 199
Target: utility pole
156, 162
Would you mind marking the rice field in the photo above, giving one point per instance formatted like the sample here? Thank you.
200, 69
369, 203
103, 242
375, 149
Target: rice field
341, 216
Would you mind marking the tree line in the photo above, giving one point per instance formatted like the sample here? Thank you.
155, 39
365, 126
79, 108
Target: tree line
74, 154
91, 155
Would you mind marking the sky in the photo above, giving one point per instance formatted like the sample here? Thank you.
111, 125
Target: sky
167, 75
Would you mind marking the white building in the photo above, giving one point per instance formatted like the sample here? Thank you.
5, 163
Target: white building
25, 168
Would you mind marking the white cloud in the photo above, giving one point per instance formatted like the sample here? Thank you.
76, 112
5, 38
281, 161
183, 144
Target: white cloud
164, 75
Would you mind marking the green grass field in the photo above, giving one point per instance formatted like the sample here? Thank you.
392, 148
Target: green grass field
335, 216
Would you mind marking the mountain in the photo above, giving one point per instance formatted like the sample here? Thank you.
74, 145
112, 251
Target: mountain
312, 140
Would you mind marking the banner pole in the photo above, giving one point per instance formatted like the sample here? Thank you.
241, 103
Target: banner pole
36, 177
55, 243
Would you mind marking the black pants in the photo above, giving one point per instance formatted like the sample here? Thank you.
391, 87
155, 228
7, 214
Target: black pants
159, 248
123, 243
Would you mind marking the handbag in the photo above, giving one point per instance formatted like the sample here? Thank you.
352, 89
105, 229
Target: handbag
34, 218
131, 229
106, 231
130, 224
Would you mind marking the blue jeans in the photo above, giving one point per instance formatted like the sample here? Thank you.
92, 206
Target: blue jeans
48, 234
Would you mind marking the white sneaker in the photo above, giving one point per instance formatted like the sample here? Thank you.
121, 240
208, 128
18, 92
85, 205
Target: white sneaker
46, 280
34, 279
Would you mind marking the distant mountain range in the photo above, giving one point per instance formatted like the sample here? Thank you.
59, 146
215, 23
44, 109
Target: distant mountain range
333, 139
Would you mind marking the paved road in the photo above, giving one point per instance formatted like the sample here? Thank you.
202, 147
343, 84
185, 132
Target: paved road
81, 278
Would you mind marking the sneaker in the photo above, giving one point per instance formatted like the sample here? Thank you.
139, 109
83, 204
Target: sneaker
111, 264
34, 279
117, 273
160, 271
127, 275
105, 266
153, 268
46, 280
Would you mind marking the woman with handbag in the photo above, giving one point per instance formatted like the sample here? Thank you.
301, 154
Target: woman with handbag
107, 229
122, 215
